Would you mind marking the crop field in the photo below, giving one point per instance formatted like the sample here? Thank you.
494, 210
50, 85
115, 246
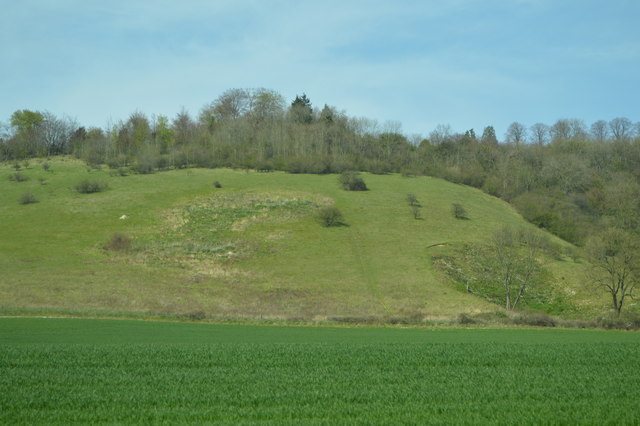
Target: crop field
63, 371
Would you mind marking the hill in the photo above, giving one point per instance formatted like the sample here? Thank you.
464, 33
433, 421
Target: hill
249, 249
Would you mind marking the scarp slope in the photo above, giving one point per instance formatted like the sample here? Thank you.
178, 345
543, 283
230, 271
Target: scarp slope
252, 248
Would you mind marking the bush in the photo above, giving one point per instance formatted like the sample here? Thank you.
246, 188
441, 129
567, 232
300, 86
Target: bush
412, 200
46, 167
458, 211
87, 186
538, 319
28, 198
624, 321
118, 242
351, 181
466, 319
329, 216
217, 184
18, 177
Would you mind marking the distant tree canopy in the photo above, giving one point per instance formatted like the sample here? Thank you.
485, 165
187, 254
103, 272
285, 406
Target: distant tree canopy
567, 177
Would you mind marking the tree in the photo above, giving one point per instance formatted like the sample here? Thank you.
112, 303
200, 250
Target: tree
301, 111
614, 255
28, 130
539, 133
442, 133
516, 261
516, 133
561, 130
600, 131
621, 128
57, 134
163, 134
232, 104
489, 136
266, 105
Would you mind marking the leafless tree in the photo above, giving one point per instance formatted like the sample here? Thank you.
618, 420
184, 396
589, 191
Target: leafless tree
614, 256
600, 131
539, 133
516, 133
621, 128
516, 259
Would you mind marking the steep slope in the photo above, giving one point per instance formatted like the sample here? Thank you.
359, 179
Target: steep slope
252, 248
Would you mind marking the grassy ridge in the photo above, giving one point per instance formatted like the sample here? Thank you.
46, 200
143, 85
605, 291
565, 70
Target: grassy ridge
236, 260
89, 371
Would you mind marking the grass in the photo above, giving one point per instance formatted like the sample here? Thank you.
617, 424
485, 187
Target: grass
252, 248
63, 371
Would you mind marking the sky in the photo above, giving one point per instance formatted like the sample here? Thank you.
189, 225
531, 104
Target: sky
463, 63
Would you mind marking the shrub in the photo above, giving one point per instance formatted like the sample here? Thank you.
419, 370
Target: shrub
412, 200
18, 177
87, 186
538, 319
46, 166
329, 216
624, 321
118, 242
194, 316
28, 198
466, 319
415, 211
351, 181
217, 184
458, 211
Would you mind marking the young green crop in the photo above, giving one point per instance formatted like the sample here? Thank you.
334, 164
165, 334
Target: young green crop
144, 372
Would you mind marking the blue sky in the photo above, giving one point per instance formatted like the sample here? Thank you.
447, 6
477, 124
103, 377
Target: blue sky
466, 63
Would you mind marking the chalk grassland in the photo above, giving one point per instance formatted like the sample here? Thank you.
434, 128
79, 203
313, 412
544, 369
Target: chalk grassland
63, 371
252, 248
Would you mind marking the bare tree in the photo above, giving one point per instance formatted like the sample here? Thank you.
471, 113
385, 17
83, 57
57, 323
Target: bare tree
516, 133
614, 256
440, 134
600, 131
516, 261
621, 128
57, 133
561, 130
539, 133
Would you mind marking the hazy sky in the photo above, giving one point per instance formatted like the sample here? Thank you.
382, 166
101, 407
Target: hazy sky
467, 63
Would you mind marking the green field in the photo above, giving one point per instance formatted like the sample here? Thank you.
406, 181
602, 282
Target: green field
71, 371
251, 249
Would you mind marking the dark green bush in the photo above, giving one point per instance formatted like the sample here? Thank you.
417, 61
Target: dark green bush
18, 177
458, 211
412, 200
351, 181
28, 198
88, 186
329, 216
118, 242
217, 184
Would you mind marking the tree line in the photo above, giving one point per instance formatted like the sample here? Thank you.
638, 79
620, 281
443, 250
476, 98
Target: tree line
567, 177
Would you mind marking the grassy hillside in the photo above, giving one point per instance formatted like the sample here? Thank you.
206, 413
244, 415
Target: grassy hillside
252, 248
